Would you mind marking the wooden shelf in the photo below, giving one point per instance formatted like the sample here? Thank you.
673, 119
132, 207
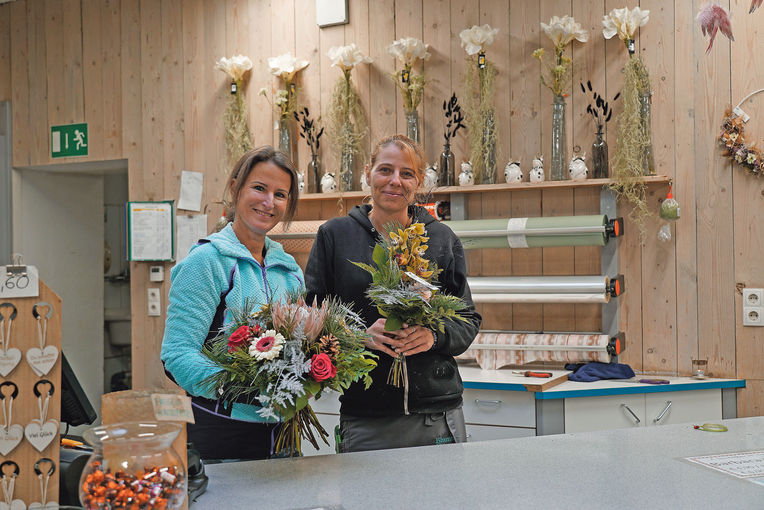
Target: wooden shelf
482, 188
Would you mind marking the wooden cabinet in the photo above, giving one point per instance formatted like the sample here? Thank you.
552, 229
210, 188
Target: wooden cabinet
642, 410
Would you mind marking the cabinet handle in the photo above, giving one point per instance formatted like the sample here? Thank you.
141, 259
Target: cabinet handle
631, 412
668, 404
488, 402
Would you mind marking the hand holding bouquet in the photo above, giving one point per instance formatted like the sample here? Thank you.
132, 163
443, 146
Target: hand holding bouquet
402, 287
283, 354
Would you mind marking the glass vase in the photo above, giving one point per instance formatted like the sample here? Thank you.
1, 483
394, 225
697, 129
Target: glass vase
645, 118
446, 167
313, 171
346, 169
412, 125
559, 162
285, 137
488, 172
138, 455
599, 157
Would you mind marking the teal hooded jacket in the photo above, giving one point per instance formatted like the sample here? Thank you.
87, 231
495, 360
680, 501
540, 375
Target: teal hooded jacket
197, 283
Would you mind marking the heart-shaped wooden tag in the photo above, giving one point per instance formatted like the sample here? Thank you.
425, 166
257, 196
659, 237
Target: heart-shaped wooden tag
8, 360
41, 435
10, 439
43, 360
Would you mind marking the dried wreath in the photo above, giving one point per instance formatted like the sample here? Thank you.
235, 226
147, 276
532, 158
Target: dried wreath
734, 143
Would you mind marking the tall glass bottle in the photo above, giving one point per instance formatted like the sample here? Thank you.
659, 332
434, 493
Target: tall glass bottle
559, 161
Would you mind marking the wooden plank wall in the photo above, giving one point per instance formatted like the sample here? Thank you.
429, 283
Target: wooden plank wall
140, 73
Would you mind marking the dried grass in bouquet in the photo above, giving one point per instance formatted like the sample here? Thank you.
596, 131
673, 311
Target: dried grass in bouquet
238, 139
285, 353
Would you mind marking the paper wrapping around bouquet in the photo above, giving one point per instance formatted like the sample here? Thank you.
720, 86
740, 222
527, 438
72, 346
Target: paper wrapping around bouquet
588, 230
493, 350
298, 237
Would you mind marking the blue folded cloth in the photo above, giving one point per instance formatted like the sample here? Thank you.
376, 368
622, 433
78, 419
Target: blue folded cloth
594, 371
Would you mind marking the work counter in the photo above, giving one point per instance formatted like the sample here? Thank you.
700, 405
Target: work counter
626, 468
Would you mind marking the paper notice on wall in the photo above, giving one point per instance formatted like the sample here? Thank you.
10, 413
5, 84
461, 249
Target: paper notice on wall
191, 184
150, 231
190, 230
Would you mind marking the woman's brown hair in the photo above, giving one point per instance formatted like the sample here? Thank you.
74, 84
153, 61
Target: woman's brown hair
243, 168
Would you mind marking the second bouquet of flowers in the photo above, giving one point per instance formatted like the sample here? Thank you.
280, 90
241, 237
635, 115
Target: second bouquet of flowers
402, 288
284, 353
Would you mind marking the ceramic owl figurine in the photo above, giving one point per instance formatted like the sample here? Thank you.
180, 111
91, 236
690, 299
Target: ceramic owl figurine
466, 178
513, 172
431, 177
577, 168
364, 185
328, 184
300, 183
537, 172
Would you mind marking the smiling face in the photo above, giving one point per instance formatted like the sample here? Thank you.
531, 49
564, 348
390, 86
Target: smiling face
262, 201
393, 179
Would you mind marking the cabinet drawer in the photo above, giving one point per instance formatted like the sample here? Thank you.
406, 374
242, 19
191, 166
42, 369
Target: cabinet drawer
686, 406
489, 432
603, 413
497, 407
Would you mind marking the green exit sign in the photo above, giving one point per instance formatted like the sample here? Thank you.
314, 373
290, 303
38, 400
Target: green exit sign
69, 140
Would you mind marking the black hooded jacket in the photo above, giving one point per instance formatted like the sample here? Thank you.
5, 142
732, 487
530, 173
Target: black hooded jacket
434, 381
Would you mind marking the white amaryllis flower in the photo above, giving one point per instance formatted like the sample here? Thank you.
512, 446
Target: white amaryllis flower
408, 49
286, 66
624, 22
235, 67
347, 57
267, 346
563, 30
477, 39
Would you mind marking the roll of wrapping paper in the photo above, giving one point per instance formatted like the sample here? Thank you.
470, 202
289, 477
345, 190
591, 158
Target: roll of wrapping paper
496, 349
299, 237
532, 232
594, 284
542, 298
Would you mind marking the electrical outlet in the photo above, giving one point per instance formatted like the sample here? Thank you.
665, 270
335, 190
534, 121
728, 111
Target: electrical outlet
154, 308
753, 297
753, 316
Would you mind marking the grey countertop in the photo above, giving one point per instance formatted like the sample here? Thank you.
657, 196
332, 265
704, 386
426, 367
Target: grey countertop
627, 468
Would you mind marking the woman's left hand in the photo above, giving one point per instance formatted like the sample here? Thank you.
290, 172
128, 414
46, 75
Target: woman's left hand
415, 339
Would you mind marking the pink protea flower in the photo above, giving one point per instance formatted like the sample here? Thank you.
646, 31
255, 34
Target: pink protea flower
290, 315
714, 17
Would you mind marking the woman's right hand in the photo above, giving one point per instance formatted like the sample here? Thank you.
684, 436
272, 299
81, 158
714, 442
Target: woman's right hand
381, 340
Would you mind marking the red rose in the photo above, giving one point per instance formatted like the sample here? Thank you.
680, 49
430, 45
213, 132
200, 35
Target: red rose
238, 338
321, 367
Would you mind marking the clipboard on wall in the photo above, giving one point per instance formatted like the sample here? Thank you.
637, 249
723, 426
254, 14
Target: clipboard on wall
150, 231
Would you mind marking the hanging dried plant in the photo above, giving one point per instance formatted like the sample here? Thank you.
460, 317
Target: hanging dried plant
480, 114
238, 139
633, 146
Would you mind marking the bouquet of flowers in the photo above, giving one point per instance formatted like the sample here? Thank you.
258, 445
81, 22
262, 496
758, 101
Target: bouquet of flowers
237, 137
281, 355
402, 287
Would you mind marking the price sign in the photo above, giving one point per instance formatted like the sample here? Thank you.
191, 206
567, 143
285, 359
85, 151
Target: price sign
19, 284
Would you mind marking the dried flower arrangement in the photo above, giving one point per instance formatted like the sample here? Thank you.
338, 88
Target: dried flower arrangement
735, 146
480, 110
308, 133
346, 121
562, 31
407, 50
454, 118
633, 154
599, 109
238, 138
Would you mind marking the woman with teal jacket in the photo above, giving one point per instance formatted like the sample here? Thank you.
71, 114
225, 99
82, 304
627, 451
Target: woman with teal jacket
221, 273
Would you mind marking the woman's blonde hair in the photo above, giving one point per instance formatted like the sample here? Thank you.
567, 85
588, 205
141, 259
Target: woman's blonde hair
409, 147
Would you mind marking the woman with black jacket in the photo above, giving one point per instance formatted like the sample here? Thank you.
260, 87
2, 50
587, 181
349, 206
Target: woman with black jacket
429, 409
